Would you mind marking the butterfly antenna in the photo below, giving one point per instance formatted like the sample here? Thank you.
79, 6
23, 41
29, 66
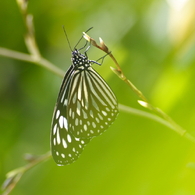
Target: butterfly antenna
67, 38
81, 39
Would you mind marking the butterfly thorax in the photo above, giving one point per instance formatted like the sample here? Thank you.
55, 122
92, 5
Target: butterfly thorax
79, 60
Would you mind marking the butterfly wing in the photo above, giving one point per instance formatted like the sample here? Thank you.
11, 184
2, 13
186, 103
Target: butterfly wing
65, 147
92, 106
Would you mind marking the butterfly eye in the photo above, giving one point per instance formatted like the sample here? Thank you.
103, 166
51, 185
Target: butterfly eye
85, 108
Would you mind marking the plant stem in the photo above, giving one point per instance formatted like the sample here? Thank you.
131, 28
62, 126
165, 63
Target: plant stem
145, 103
172, 125
30, 58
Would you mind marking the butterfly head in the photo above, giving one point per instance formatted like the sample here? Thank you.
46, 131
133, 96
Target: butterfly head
79, 60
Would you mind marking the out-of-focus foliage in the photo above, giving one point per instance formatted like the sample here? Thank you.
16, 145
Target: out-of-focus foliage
154, 43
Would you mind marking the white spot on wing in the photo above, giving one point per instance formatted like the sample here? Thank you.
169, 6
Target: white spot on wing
85, 90
76, 121
58, 137
54, 129
91, 113
78, 111
57, 114
72, 115
82, 142
85, 127
65, 102
100, 116
104, 113
81, 122
108, 109
61, 120
79, 93
97, 119
84, 114
70, 112
54, 141
69, 138
64, 143
94, 125
77, 139
65, 123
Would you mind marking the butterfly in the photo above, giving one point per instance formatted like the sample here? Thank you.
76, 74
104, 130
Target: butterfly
85, 108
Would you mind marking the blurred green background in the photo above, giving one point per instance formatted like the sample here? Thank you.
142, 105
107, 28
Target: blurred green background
153, 40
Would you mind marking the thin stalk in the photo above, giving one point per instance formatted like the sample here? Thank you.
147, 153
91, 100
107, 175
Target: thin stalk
144, 102
30, 58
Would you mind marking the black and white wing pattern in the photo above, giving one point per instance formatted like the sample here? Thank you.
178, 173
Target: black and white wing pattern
85, 108
64, 146
92, 106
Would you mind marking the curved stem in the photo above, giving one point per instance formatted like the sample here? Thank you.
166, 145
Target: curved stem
145, 114
157, 119
164, 118
14, 176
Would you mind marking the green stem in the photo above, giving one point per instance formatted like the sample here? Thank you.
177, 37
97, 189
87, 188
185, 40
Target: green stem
14, 176
38, 160
172, 125
30, 58
145, 114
